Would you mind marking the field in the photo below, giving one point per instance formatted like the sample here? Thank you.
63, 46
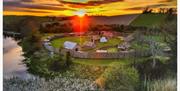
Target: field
100, 62
148, 20
119, 19
58, 43
112, 50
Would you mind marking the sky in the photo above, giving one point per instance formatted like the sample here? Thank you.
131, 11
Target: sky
90, 7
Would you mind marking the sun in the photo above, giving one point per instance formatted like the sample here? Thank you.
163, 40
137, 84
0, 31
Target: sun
80, 13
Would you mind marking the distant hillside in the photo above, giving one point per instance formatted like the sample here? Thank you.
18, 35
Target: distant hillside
13, 23
10, 19
148, 20
121, 19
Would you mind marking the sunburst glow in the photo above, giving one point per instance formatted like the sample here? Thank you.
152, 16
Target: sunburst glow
80, 13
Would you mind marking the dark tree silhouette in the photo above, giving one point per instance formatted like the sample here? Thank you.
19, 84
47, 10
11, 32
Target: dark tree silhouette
147, 10
68, 59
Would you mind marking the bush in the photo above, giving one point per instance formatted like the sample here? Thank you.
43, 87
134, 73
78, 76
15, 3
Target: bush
167, 84
120, 78
57, 64
147, 70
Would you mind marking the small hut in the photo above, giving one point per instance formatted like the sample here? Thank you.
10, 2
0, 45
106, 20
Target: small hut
103, 39
71, 45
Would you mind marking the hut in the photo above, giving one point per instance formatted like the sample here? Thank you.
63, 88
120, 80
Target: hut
103, 39
71, 45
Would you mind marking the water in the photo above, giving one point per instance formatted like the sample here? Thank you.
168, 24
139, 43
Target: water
12, 60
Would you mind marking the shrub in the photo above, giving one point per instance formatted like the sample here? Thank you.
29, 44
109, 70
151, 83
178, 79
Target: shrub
163, 85
147, 70
120, 78
167, 84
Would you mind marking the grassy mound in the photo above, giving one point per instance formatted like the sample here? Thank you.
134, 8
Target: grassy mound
149, 20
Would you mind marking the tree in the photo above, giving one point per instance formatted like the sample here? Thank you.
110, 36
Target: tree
169, 30
147, 44
29, 25
162, 10
170, 11
120, 78
68, 59
147, 10
155, 51
31, 43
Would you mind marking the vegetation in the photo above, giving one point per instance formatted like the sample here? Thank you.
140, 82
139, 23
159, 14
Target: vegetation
110, 42
15, 23
119, 77
168, 84
58, 43
100, 62
112, 50
169, 29
149, 20
41, 84
31, 43
139, 73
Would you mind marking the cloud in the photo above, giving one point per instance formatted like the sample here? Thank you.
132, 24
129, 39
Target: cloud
17, 4
68, 7
157, 5
26, 10
40, 1
150, 6
89, 2
134, 8
166, 1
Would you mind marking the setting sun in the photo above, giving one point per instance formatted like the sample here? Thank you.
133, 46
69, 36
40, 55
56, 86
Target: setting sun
80, 13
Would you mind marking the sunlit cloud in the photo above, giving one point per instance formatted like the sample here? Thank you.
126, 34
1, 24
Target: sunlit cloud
91, 7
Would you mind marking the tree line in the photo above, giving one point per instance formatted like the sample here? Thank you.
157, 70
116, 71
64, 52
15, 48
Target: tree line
160, 10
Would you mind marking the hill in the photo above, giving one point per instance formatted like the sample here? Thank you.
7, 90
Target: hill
148, 20
120, 19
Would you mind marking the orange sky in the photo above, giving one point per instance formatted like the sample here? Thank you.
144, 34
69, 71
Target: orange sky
71, 7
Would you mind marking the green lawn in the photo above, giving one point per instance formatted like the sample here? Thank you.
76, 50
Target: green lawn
47, 35
148, 20
112, 50
110, 42
100, 62
57, 43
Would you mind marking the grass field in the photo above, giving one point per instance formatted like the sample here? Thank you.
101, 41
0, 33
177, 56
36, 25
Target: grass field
112, 50
100, 62
111, 42
148, 20
57, 43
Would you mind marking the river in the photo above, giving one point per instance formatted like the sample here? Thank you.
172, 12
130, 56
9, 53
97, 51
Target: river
12, 60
